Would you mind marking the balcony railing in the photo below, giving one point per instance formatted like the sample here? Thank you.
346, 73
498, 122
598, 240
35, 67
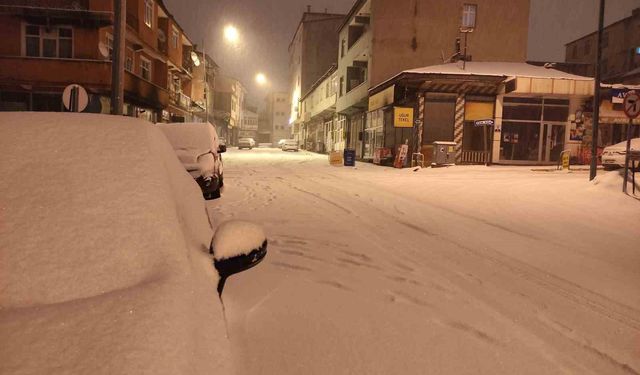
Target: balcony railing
181, 100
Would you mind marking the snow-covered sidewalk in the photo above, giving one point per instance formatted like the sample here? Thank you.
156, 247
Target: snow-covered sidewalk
453, 270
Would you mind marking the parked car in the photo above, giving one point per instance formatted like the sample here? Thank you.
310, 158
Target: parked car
281, 143
613, 156
246, 143
107, 264
290, 145
198, 148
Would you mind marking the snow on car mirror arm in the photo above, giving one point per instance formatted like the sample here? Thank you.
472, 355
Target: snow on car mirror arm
237, 246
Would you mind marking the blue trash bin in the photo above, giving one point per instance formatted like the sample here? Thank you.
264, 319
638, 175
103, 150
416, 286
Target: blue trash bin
349, 158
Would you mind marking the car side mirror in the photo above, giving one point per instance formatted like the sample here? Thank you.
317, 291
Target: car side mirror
237, 246
222, 148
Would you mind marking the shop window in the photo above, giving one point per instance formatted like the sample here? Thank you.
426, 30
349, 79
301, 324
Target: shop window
520, 141
148, 13
47, 102
556, 113
469, 16
439, 120
522, 111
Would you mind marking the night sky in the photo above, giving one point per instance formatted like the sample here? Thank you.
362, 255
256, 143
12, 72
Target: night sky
267, 26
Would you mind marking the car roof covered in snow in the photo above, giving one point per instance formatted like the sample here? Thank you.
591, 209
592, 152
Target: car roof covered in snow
104, 266
196, 137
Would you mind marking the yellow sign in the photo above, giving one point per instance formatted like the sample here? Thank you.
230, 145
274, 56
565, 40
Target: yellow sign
335, 158
402, 117
565, 160
381, 99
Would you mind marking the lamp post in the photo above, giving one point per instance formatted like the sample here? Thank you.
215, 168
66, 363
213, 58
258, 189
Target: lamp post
596, 98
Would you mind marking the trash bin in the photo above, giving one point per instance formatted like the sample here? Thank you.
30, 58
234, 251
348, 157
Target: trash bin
349, 158
444, 153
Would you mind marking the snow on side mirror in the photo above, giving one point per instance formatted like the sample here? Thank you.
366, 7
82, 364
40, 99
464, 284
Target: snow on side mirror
237, 246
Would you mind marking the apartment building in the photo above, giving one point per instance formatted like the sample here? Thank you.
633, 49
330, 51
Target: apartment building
249, 125
381, 38
277, 107
205, 71
620, 51
321, 127
229, 101
313, 49
49, 44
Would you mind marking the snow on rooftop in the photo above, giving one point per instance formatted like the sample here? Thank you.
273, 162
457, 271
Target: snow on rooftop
498, 69
104, 265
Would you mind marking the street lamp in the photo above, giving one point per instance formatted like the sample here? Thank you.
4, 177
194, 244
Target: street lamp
261, 79
231, 34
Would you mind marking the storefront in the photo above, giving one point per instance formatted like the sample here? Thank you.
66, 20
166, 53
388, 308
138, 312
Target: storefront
506, 113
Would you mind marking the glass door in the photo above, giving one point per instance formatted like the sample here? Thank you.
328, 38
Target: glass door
552, 142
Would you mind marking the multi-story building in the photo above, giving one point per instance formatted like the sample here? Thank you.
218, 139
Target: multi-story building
320, 126
49, 44
277, 115
228, 104
205, 71
620, 51
381, 38
312, 51
249, 125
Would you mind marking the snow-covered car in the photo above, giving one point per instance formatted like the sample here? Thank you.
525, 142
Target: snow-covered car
614, 156
246, 143
106, 263
290, 145
281, 143
198, 148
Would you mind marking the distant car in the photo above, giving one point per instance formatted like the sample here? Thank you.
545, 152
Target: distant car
198, 148
290, 145
246, 143
613, 156
281, 143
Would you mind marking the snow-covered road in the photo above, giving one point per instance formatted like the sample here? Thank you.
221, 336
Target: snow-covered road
463, 270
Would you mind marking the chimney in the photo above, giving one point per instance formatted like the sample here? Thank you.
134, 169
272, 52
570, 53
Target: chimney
308, 8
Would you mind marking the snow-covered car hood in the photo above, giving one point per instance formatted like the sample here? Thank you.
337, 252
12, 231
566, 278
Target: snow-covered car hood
104, 266
622, 146
195, 144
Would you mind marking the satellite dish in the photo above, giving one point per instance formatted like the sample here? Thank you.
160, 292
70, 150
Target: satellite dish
162, 37
104, 51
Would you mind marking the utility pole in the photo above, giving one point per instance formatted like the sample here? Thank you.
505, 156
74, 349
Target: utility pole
596, 97
206, 83
117, 60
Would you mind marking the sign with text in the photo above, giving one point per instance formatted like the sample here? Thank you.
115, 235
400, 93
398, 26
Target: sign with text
487, 122
402, 117
401, 156
335, 158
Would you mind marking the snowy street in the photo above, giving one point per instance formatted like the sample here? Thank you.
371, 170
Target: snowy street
461, 270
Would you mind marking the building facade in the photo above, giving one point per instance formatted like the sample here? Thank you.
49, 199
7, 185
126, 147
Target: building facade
48, 45
277, 105
249, 125
205, 71
620, 51
312, 51
229, 102
380, 38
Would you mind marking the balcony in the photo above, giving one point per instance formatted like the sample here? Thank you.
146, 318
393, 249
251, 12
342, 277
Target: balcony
181, 100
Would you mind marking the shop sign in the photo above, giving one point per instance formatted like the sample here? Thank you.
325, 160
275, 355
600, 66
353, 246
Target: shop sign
382, 99
566, 158
617, 95
335, 158
480, 123
380, 154
401, 156
402, 117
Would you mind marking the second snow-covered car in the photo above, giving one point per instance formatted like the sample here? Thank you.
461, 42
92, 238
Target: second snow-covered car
290, 145
246, 143
198, 148
613, 156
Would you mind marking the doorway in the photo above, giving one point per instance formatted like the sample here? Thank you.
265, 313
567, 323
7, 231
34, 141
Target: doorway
552, 142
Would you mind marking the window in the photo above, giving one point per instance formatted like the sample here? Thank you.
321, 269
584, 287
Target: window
145, 68
148, 12
109, 43
128, 60
176, 85
469, 16
40, 41
343, 46
341, 85
174, 37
